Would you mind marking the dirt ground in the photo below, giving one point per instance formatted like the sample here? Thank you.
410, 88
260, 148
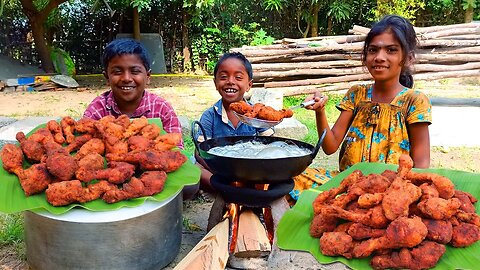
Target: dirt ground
190, 96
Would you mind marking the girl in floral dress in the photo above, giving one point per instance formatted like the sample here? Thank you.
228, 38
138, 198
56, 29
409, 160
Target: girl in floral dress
380, 121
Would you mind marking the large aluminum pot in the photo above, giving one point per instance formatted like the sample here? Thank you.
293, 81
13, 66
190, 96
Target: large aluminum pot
251, 169
143, 237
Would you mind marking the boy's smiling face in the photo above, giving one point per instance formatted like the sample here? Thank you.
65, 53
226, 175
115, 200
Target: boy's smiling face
127, 77
232, 80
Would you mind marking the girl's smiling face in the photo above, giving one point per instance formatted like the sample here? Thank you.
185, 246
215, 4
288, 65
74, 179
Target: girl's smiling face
232, 80
384, 59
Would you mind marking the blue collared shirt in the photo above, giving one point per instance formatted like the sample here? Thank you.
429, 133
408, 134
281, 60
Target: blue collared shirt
216, 124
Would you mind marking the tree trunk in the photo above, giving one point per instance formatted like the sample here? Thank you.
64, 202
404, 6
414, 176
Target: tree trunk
187, 65
329, 26
469, 14
37, 19
136, 24
38, 32
315, 10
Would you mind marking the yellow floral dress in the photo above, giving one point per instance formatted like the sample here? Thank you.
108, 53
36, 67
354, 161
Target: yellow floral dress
378, 132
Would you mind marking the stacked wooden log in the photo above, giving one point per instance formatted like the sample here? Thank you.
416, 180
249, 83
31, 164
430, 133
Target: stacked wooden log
331, 63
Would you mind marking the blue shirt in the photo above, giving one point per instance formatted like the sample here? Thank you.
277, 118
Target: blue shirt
216, 124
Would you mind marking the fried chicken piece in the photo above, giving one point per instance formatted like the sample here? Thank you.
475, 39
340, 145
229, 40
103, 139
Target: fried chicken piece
116, 173
116, 152
372, 183
68, 127
398, 198
86, 125
12, 158
95, 191
336, 244
390, 175
321, 224
91, 161
94, 145
241, 107
149, 183
56, 131
444, 186
42, 135
63, 193
167, 161
135, 127
428, 191
373, 217
33, 150
425, 256
465, 234
270, 114
110, 132
405, 165
472, 218
59, 162
167, 141
139, 143
328, 195
401, 232
359, 231
255, 108
35, 179
369, 200
343, 227
439, 231
123, 120
467, 201
67, 192
78, 142
438, 208
150, 131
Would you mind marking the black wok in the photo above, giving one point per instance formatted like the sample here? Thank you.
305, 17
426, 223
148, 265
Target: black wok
249, 169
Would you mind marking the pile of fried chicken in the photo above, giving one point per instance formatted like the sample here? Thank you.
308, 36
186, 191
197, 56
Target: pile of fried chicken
403, 218
260, 111
68, 159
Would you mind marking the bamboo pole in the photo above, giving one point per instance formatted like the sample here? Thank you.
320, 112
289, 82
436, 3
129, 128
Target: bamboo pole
305, 58
306, 65
327, 80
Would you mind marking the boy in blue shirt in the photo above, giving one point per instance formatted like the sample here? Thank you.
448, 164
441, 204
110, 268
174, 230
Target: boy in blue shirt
233, 77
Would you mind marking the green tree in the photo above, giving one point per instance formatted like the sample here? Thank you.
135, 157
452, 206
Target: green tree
404, 8
37, 13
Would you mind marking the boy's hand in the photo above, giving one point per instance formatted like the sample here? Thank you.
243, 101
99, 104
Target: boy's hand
320, 102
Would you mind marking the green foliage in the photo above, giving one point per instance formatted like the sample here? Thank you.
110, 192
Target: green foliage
307, 117
404, 8
62, 62
213, 42
11, 229
276, 5
466, 4
340, 11
141, 4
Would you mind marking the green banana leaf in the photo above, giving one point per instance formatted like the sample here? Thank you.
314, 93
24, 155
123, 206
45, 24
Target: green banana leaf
293, 229
12, 198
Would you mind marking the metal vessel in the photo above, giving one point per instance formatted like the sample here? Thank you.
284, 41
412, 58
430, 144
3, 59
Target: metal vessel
143, 237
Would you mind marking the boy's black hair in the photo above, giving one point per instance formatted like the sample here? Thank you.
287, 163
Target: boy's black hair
123, 46
238, 56
404, 32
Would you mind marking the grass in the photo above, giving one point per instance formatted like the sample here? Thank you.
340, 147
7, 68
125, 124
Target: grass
12, 232
307, 117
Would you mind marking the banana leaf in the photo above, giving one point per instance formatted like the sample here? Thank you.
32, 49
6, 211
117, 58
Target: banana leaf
293, 229
12, 198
